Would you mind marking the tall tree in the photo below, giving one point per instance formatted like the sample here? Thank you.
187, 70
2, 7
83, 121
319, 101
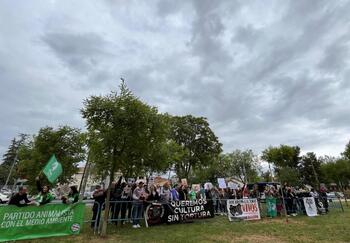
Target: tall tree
242, 165
346, 153
310, 169
283, 157
125, 135
337, 171
65, 142
199, 145
8, 169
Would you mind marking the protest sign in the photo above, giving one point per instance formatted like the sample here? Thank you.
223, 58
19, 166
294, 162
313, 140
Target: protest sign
232, 185
196, 187
53, 169
208, 186
271, 207
18, 223
310, 206
246, 209
178, 211
222, 183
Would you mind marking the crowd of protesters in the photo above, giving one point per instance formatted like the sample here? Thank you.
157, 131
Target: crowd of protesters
43, 196
129, 200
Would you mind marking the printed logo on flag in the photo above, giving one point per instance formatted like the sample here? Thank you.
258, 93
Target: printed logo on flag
53, 169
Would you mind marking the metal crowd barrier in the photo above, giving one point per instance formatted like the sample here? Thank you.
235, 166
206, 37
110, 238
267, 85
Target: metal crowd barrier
116, 207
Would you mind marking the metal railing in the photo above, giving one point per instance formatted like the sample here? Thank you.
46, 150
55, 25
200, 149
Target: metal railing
123, 210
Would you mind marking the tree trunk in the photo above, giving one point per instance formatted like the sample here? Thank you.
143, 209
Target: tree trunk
106, 214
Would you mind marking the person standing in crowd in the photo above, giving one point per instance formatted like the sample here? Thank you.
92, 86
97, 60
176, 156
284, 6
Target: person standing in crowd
255, 192
116, 196
165, 193
153, 194
192, 195
44, 195
239, 193
222, 201
73, 196
99, 196
315, 195
175, 193
138, 196
245, 191
290, 199
231, 193
126, 198
214, 195
20, 199
323, 197
182, 190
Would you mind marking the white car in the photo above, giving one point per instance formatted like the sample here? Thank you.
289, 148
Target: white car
4, 198
333, 195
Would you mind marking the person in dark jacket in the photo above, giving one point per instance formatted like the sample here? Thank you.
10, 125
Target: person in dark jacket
99, 195
153, 194
116, 198
20, 199
183, 192
323, 197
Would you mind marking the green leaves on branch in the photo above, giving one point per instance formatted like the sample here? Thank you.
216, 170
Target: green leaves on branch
65, 142
125, 134
197, 145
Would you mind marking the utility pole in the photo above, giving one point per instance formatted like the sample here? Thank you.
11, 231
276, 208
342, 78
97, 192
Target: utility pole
315, 174
85, 178
12, 167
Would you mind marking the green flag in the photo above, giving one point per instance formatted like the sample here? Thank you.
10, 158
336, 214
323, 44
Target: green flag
271, 207
53, 169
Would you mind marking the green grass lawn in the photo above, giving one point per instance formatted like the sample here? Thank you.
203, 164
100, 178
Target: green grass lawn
334, 227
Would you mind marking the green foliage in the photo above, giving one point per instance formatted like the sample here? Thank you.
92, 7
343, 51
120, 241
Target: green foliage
337, 171
125, 134
282, 156
65, 142
9, 158
242, 165
210, 172
199, 145
289, 175
286, 159
310, 169
346, 153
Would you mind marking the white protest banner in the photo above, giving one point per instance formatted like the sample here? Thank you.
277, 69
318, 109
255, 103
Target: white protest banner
208, 186
246, 209
222, 183
310, 206
196, 187
232, 185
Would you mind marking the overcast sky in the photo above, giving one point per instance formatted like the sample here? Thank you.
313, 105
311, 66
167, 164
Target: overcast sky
262, 72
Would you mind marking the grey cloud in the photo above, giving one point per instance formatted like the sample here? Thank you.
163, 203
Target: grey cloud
336, 55
283, 78
79, 52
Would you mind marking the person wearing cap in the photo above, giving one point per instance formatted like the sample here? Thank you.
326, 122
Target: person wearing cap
138, 196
